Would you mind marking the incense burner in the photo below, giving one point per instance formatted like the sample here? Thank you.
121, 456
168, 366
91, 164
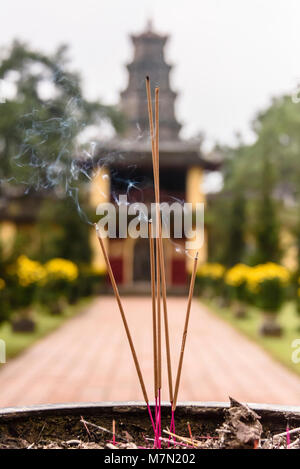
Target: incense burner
62, 421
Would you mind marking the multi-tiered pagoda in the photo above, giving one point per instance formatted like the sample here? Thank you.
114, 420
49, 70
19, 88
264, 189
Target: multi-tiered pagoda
130, 163
149, 60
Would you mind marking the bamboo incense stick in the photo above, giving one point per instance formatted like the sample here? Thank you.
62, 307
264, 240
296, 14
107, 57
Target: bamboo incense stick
161, 251
158, 307
158, 248
117, 295
185, 330
156, 145
155, 162
158, 287
154, 328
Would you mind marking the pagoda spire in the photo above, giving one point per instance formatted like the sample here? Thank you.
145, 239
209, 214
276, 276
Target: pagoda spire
149, 26
149, 59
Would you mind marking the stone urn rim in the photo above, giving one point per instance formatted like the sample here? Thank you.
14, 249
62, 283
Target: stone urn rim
138, 406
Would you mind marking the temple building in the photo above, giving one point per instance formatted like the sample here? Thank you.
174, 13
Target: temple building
129, 167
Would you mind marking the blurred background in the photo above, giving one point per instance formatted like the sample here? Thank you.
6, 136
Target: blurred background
74, 133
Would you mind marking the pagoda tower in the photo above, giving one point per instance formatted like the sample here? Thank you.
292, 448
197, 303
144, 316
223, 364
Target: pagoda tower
128, 158
149, 59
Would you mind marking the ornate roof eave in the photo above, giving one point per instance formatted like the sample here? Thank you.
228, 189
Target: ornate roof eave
148, 35
117, 155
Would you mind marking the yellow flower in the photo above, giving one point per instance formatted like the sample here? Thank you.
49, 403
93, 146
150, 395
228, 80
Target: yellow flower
237, 275
61, 269
269, 271
2, 284
212, 270
28, 271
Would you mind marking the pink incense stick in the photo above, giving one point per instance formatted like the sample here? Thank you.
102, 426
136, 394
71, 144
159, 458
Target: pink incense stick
151, 418
156, 439
172, 426
288, 437
158, 422
159, 415
114, 431
173, 422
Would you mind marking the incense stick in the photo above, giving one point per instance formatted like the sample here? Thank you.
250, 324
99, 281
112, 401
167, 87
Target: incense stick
158, 288
154, 328
160, 253
161, 250
114, 431
158, 247
117, 295
185, 330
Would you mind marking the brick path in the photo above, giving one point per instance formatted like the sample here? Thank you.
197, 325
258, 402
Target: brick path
88, 359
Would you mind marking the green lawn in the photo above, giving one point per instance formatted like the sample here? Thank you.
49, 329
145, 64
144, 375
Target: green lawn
45, 323
280, 348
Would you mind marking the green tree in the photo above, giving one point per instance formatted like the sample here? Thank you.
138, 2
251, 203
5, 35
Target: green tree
62, 233
268, 172
228, 210
266, 226
235, 233
40, 124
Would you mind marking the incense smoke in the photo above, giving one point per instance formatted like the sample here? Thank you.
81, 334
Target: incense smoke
51, 160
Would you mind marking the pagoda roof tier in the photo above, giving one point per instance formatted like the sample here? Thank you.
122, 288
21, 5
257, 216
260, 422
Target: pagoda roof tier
149, 33
177, 154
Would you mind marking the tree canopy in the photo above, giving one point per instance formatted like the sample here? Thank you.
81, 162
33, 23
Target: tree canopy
261, 179
42, 119
44, 114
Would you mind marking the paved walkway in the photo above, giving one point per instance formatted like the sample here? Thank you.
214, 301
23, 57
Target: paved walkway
88, 359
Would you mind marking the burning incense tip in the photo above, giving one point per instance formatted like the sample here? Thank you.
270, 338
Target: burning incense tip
97, 230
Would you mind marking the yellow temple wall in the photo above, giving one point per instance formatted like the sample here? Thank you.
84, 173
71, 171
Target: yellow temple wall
99, 193
194, 194
8, 231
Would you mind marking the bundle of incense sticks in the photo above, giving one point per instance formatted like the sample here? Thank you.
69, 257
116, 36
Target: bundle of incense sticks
158, 292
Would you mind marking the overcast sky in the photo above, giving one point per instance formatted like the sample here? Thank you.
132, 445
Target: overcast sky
230, 56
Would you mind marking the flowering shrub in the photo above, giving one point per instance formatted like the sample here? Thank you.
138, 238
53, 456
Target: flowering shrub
264, 285
29, 280
58, 284
52, 284
267, 283
237, 280
61, 269
25, 275
29, 272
